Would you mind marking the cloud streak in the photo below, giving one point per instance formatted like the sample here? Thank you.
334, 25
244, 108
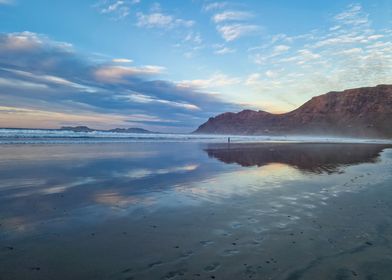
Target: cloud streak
215, 81
231, 16
119, 74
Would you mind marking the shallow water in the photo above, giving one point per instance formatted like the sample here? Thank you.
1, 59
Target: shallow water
195, 211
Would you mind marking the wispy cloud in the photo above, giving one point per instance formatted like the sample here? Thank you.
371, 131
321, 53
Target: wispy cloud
279, 49
302, 56
215, 81
231, 16
122, 60
231, 32
192, 44
146, 99
193, 37
231, 24
16, 83
221, 49
161, 20
117, 9
214, 6
272, 53
27, 41
50, 79
118, 74
354, 15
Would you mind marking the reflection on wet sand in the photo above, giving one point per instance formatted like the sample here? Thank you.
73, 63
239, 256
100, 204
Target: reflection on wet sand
172, 211
316, 158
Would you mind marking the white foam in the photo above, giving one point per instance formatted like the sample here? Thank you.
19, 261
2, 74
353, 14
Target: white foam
32, 136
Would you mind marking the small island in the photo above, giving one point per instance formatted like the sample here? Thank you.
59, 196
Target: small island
117, 130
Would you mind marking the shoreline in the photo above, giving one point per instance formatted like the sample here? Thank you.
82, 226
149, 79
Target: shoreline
188, 139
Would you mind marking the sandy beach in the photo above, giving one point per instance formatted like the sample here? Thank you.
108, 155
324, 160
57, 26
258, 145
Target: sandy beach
195, 211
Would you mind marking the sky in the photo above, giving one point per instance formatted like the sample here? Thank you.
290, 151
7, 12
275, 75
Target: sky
168, 66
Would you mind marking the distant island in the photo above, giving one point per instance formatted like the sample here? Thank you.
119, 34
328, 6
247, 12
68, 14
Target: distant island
118, 130
361, 112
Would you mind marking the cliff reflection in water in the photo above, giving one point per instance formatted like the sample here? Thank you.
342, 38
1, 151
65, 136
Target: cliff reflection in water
314, 158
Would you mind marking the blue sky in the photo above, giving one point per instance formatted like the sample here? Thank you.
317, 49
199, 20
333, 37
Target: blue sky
169, 65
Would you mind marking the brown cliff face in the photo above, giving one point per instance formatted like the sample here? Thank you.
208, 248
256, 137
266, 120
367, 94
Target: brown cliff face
363, 112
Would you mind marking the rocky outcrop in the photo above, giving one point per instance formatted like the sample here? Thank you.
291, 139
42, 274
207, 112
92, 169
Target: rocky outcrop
364, 112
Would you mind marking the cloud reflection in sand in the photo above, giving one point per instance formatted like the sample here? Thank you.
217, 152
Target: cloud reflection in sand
55, 189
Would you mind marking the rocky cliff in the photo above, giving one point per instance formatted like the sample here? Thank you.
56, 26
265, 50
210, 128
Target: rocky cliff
361, 112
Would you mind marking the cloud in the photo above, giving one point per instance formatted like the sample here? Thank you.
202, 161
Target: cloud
215, 81
252, 79
305, 56
122, 60
264, 81
118, 74
12, 83
23, 41
146, 99
375, 37
45, 83
231, 24
117, 9
214, 6
49, 79
351, 51
113, 7
271, 74
193, 37
231, 16
263, 58
280, 49
221, 50
231, 32
341, 40
160, 20
334, 28
353, 16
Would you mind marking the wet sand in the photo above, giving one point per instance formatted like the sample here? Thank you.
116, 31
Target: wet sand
196, 211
